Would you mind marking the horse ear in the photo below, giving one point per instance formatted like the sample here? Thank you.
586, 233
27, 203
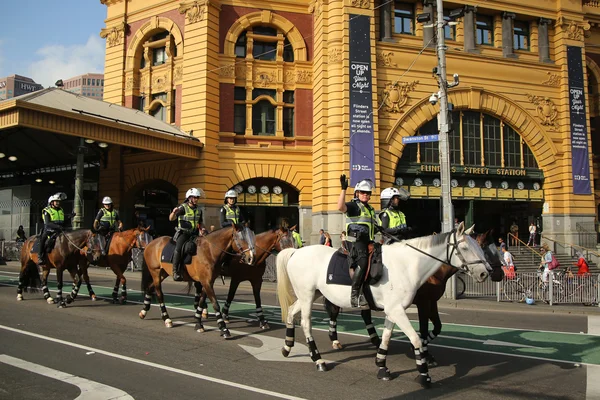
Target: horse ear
461, 229
292, 228
470, 230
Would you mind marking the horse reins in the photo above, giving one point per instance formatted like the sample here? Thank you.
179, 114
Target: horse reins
70, 241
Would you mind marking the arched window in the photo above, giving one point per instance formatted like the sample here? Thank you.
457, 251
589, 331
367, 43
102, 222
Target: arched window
263, 118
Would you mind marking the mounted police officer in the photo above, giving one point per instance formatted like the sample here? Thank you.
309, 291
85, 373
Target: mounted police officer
54, 221
361, 221
107, 222
391, 218
189, 221
230, 212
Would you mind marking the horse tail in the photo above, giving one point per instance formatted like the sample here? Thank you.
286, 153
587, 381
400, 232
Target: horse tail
146, 277
285, 292
30, 277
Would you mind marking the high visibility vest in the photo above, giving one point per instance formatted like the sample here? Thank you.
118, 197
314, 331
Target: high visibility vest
108, 218
188, 220
57, 215
297, 238
396, 218
366, 218
232, 214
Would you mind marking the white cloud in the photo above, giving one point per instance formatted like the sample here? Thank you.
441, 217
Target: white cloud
63, 62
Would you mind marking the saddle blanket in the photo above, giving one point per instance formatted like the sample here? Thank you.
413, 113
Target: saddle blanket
338, 271
49, 244
167, 253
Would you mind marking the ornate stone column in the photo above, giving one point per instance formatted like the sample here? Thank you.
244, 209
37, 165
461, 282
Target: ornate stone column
543, 40
385, 21
469, 29
507, 35
428, 31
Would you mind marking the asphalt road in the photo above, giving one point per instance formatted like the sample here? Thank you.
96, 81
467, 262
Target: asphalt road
105, 351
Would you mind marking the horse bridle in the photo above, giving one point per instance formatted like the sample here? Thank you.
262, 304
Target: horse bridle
279, 237
451, 248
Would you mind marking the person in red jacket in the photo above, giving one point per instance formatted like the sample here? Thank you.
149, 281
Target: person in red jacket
582, 264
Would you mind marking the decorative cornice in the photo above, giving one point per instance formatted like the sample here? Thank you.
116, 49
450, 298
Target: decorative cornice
115, 34
553, 80
384, 59
574, 30
195, 10
335, 55
315, 7
361, 3
395, 95
546, 110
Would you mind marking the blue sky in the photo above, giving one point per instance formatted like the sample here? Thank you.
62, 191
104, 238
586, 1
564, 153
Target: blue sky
49, 40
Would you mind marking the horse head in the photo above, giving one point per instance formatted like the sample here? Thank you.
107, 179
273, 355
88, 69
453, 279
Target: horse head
242, 242
94, 242
142, 237
466, 254
284, 238
492, 255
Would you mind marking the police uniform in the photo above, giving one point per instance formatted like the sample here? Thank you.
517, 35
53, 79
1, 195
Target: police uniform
54, 220
297, 239
231, 215
393, 222
188, 219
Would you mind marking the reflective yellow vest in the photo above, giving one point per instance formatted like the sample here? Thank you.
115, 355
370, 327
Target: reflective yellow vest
397, 218
232, 214
108, 218
297, 238
189, 220
56, 215
366, 218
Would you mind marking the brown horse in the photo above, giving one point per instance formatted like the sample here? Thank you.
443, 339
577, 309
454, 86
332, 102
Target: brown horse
266, 243
66, 254
425, 299
210, 251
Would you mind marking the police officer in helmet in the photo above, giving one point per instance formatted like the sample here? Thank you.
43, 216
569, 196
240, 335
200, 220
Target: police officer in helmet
361, 221
189, 222
230, 212
54, 221
392, 219
107, 220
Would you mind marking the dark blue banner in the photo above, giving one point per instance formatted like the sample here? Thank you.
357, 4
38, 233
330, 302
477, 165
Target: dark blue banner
362, 143
580, 159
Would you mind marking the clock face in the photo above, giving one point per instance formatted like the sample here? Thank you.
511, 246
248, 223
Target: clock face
277, 189
471, 183
399, 181
488, 184
504, 185
536, 186
418, 182
264, 189
454, 183
238, 189
251, 189
521, 185
437, 182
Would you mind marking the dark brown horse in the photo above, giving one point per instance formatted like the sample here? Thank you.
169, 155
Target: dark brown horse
266, 243
425, 299
66, 254
203, 269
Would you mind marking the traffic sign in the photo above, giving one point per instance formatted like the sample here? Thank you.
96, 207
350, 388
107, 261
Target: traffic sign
420, 139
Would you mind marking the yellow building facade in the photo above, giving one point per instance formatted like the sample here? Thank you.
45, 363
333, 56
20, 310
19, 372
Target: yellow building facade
267, 87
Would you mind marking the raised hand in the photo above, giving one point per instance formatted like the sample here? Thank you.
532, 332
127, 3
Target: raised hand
344, 182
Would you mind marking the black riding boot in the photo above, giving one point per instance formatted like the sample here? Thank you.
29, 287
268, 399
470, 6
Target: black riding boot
357, 299
41, 257
177, 267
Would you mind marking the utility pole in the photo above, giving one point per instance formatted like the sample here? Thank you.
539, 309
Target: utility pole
78, 199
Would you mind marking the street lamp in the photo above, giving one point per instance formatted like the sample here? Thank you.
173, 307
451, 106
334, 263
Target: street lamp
12, 158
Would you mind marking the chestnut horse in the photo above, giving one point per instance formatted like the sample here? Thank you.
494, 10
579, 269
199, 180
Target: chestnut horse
66, 254
266, 243
425, 299
203, 269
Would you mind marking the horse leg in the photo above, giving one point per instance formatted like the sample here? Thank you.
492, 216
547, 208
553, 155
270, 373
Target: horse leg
333, 311
373, 336
307, 328
76, 285
398, 315
434, 316
123, 299
199, 314
147, 302
233, 285
290, 329
423, 308
380, 360
59, 285
161, 302
256, 286
200, 300
115, 292
86, 278
47, 296
211, 295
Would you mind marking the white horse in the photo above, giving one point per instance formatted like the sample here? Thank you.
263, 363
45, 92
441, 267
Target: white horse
301, 273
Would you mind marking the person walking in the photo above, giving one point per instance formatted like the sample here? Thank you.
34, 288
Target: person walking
509, 264
328, 240
532, 234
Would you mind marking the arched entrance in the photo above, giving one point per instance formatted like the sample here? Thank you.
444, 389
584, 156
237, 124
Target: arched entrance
496, 179
151, 202
268, 202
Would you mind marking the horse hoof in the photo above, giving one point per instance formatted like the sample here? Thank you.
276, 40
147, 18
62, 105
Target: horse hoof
424, 381
62, 304
383, 374
264, 326
322, 367
205, 314
50, 300
168, 323
70, 300
142, 314
285, 352
199, 328
94, 298
123, 300
19, 297
431, 362
226, 334
115, 301
336, 345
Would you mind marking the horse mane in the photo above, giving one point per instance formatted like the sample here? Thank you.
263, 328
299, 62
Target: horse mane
78, 232
428, 241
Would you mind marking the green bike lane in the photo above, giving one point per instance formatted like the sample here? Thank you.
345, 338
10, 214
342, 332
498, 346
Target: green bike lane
542, 345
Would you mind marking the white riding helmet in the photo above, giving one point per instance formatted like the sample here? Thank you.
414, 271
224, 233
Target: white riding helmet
54, 197
107, 200
366, 185
194, 192
61, 195
388, 193
231, 193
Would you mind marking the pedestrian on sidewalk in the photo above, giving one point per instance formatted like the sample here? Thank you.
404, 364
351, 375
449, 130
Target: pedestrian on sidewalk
509, 264
532, 234
582, 265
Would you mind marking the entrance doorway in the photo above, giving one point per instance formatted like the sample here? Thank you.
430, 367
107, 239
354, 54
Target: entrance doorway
265, 218
151, 202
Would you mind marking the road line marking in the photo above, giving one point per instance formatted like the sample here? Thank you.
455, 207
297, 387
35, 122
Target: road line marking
593, 383
154, 365
90, 390
593, 325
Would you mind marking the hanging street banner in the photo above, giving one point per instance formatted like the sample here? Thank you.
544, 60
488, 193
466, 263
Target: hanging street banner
580, 160
362, 142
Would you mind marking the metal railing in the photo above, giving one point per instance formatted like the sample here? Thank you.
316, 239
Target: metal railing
10, 250
535, 255
569, 248
591, 3
587, 235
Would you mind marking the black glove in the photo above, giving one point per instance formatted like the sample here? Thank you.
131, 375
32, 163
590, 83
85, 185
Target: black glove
379, 228
344, 182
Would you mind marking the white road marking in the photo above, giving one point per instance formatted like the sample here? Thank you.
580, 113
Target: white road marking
154, 365
490, 342
593, 382
90, 390
593, 325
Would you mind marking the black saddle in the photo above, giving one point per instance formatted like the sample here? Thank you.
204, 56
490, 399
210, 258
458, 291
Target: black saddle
338, 271
188, 251
50, 242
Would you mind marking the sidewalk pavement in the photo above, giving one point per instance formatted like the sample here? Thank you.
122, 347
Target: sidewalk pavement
483, 304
